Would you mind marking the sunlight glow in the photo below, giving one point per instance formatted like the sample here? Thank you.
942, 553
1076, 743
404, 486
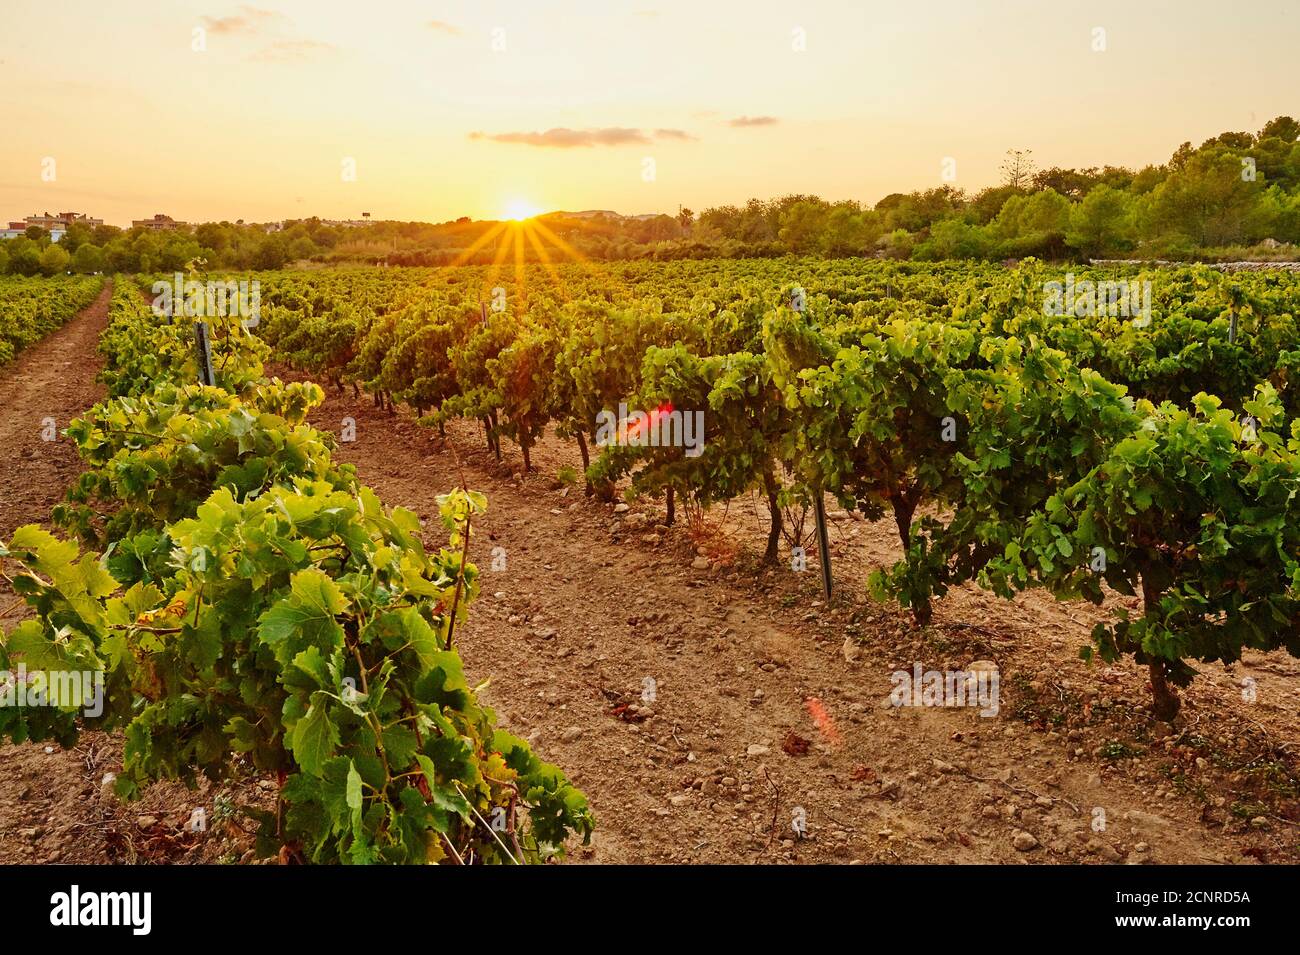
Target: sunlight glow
517, 210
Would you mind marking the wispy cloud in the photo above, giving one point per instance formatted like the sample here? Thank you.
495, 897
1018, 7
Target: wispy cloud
248, 21
442, 26
561, 138
292, 51
741, 122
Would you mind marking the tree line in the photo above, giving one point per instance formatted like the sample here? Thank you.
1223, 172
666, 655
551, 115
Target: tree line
1237, 195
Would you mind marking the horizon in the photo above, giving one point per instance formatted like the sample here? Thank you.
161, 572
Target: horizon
294, 110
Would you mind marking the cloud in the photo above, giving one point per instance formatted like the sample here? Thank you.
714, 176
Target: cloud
561, 138
441, 26
292, 51
741, 122
678, 134
249, 20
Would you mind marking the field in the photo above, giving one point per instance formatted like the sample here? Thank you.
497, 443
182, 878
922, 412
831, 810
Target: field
1084, 483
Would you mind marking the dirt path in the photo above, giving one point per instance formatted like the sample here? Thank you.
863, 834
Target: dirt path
44, 388
586, 605
42, 794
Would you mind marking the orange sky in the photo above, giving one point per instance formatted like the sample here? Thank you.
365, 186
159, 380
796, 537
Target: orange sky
471, 108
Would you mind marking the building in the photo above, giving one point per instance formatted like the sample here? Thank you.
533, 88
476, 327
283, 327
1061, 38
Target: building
56, 225
61, 221
159, 223
348, 223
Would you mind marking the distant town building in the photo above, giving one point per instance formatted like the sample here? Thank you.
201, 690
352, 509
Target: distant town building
55, 225
348, 223
62, 220
159, 223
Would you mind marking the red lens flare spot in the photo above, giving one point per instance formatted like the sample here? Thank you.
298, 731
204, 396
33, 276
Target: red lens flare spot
823, 720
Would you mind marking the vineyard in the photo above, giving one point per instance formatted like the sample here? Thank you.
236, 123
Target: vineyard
255, 605
31, 308
1118, 436
1150, 449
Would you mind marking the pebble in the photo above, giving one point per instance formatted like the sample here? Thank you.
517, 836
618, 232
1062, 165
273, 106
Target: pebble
1024, 842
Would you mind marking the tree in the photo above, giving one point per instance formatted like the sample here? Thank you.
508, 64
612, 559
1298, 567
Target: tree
54, 260
25, 260
1018, 168
78, 232
954, 239
918, 210
302, 248
1102, 223
88, 259
1071, 183
121, 256
271, 254
802, 226
685, 217
849, 231
1283, 127
1046, 211
1207, 202
103, 234
214, 235
988, 203
4, 260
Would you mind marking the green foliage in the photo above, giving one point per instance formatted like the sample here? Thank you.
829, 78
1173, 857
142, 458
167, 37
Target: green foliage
949, 398
256, 606
31, 308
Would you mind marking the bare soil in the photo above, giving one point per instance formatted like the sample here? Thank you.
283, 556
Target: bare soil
767, 705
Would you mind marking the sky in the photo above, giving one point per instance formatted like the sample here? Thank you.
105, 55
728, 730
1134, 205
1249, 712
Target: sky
214, 109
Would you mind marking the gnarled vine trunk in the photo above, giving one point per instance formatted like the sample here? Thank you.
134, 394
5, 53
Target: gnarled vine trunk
774, 508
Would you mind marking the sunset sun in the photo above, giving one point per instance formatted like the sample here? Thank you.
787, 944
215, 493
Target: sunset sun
518, 210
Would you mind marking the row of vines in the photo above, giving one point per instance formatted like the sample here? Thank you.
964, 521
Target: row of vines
255, 609
31, 308
1152, 451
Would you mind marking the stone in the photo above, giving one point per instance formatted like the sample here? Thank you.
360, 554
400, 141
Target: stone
1024, 842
